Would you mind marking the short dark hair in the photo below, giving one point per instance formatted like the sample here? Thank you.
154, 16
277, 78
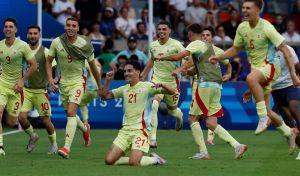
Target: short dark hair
164, 23
73, 19
135, 64
10, 19
258, 3
234, 10
134, 57
195, 28
138, 24
122, 57
34, 27
211, 30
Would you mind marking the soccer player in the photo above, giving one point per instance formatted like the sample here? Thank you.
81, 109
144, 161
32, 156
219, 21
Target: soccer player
208, 92
133, 136
71, 50
91, 92
286, 97
164, 46
259, 38
207, 35
35, 94
12, 53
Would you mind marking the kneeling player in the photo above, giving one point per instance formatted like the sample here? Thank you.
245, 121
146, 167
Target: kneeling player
133, 136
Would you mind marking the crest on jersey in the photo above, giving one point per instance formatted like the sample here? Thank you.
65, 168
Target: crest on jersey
1, 52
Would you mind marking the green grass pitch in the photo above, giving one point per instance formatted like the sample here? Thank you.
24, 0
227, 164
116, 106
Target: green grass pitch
267, 155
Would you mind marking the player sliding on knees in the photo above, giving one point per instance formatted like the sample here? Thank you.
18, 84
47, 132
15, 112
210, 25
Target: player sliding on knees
137, 97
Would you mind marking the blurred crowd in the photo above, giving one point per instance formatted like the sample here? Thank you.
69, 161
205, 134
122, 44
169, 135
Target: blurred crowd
123, 27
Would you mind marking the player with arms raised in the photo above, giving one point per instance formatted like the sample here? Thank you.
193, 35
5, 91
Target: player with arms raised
259, 38
137, 97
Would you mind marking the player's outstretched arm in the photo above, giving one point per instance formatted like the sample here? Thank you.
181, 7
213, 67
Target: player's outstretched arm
147, 69
288, 58
187, 65
174, 57
105, 93
233, 51
32, 68
191, 72
96, 75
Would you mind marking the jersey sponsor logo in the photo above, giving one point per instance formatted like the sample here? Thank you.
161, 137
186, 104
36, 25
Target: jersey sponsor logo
160, 54
62, 50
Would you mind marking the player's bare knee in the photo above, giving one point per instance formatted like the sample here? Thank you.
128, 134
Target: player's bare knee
210, 125
71, 113
22, 118
250, 80
11, 122
109, 161
45, 120
269, 114
193, 119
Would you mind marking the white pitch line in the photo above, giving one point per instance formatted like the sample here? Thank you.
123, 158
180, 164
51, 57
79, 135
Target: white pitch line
12, 132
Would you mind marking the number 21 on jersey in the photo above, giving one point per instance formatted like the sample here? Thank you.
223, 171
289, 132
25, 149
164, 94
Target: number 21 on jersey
132, 98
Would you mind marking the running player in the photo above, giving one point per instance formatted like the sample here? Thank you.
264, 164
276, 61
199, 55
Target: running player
35, 94
260, 38
164, 46
207, 35
208, 92
286, 97
71, 50
133, 136
12, 52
